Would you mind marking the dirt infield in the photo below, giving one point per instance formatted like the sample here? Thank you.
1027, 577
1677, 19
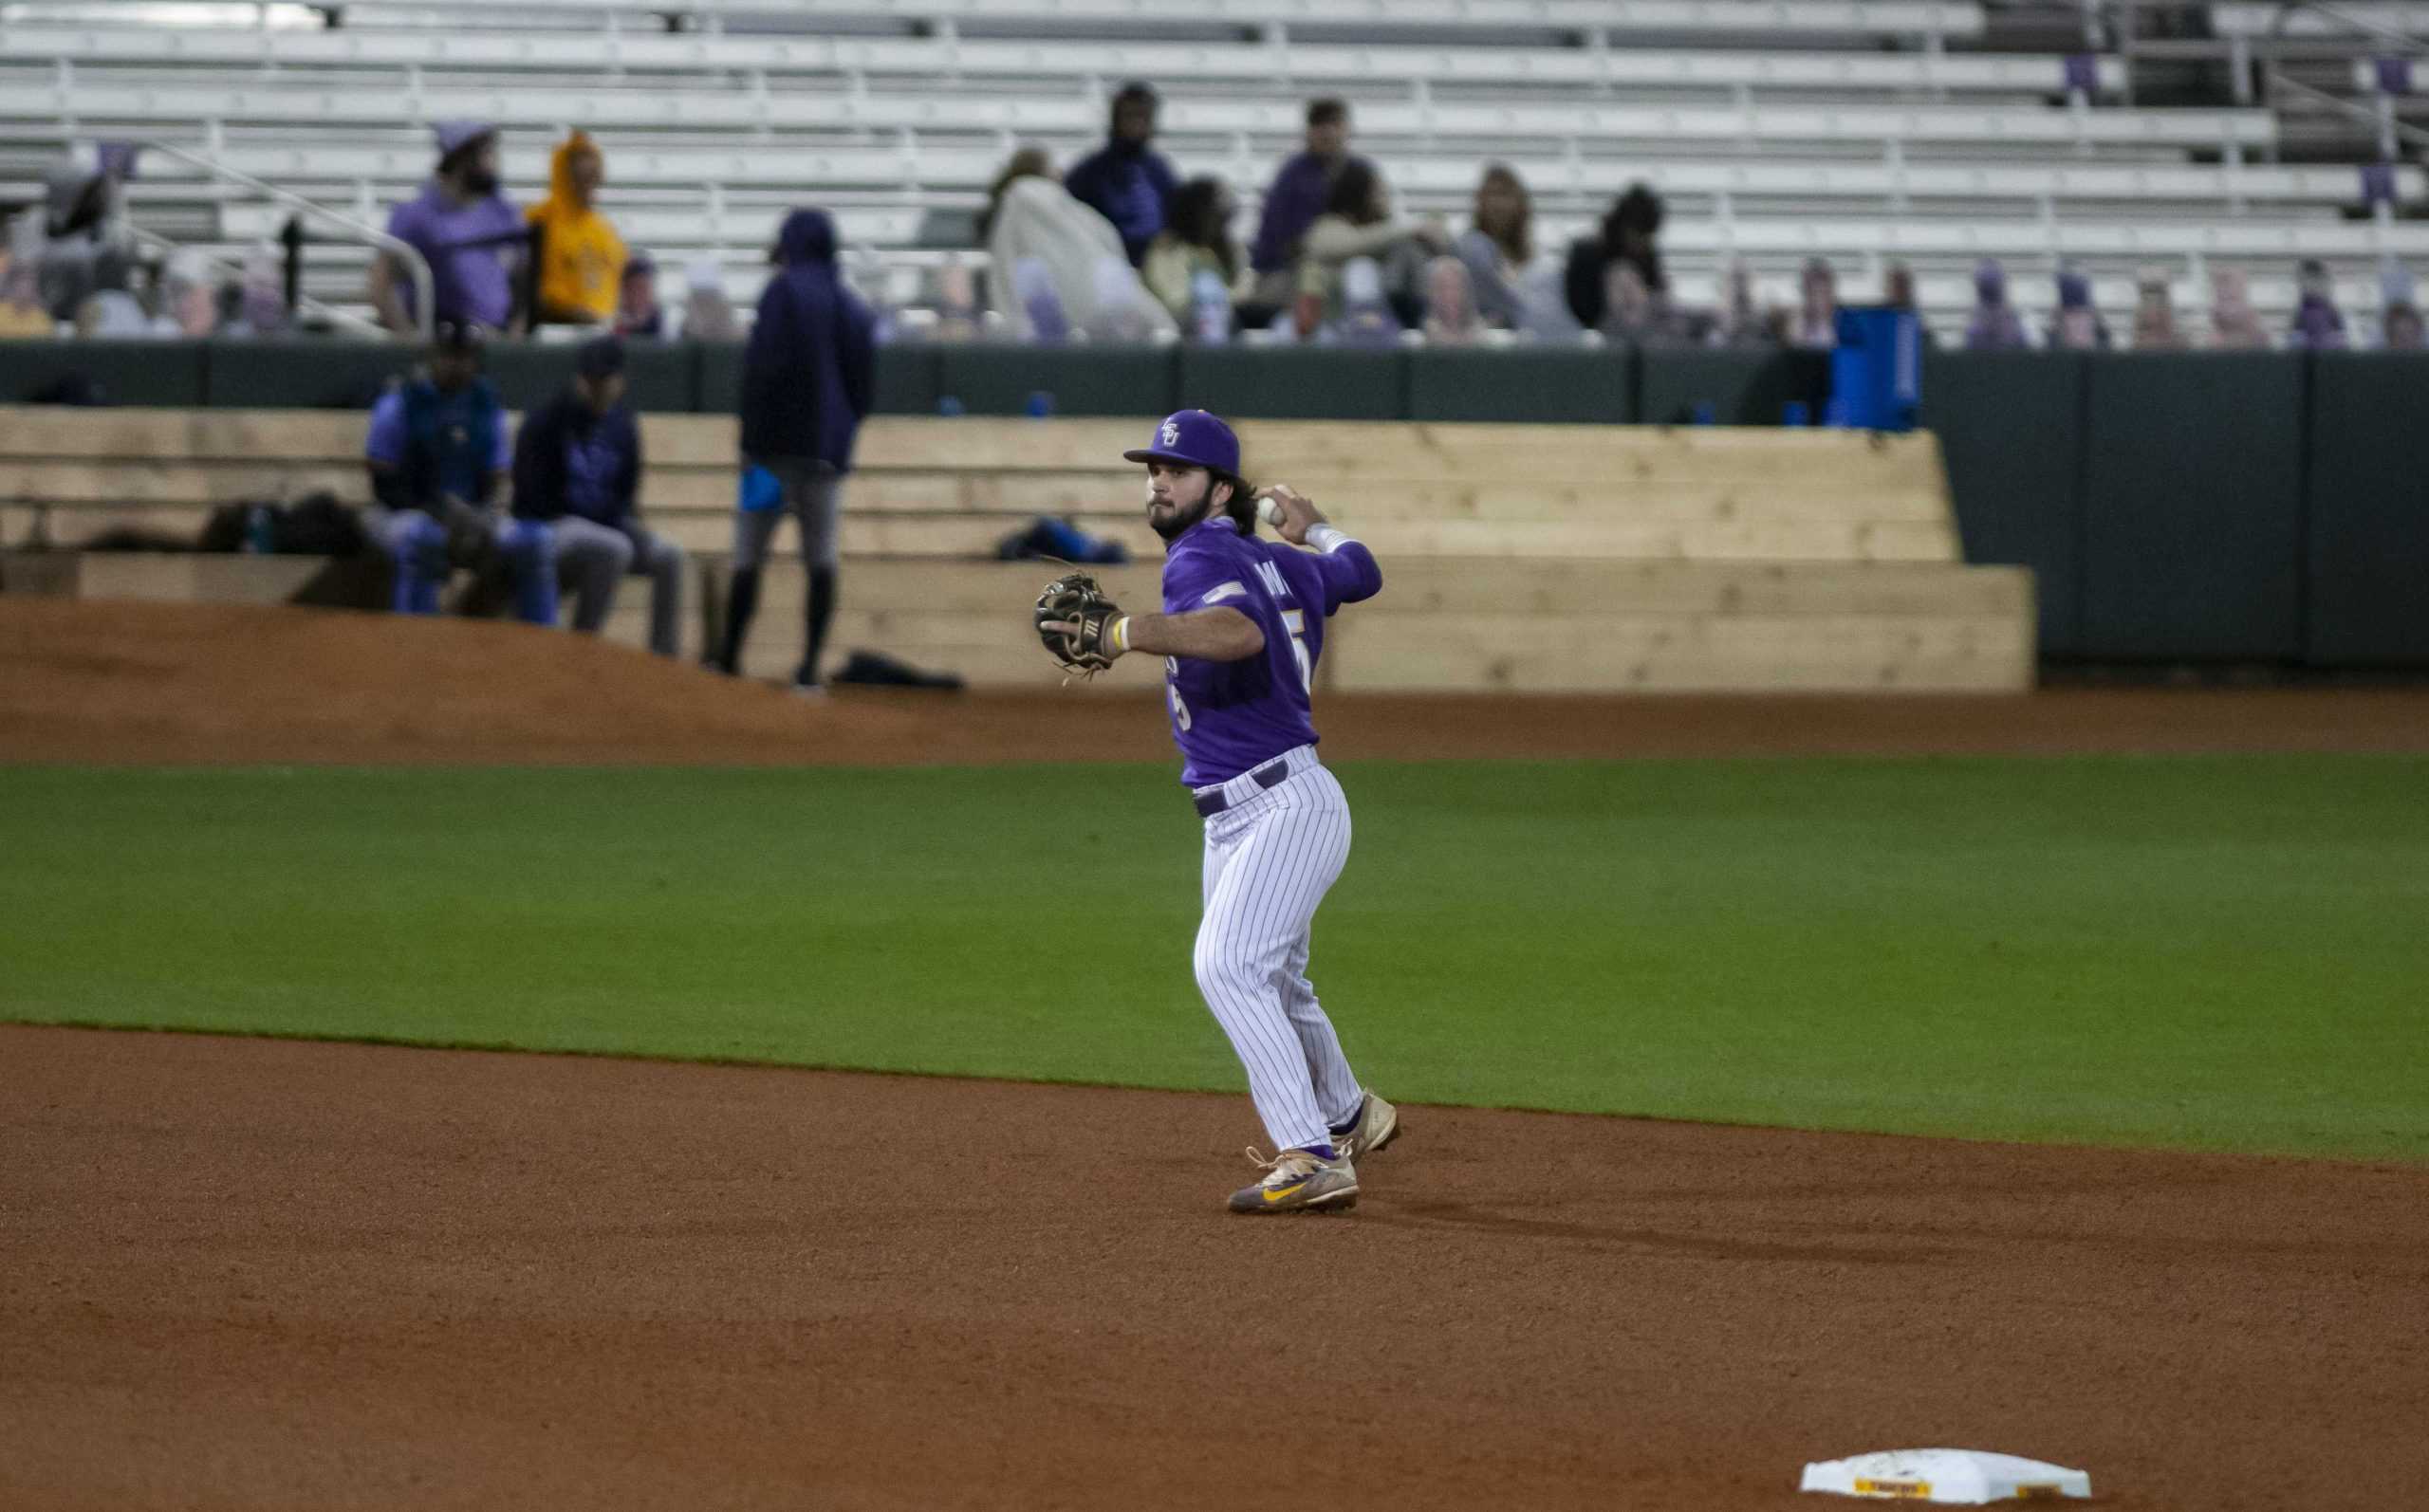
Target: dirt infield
175, 683
245, 1274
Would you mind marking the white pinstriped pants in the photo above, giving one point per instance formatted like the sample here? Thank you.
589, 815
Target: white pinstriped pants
1268, 863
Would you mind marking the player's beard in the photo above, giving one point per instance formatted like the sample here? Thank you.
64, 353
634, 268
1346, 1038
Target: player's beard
1171, 528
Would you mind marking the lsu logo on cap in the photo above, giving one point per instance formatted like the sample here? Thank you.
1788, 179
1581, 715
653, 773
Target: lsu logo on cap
1170, 435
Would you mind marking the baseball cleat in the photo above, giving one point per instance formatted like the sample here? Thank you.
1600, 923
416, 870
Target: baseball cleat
1299, 1181
1378, 1124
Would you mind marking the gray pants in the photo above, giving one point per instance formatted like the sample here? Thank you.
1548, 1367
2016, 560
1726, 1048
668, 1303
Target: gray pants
592, 559
813, 493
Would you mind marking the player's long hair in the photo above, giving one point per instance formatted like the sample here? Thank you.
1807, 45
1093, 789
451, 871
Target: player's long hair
1241, 506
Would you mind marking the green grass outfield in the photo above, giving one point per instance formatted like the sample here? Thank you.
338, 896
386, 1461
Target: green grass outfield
2218, 953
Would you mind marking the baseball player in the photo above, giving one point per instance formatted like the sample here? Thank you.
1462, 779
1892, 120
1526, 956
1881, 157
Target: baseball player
1243, 623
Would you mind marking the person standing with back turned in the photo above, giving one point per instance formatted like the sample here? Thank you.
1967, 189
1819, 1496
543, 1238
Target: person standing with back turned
808, 376
1242, 627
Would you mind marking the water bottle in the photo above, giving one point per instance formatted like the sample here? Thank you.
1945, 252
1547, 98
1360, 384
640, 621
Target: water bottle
1209, 307
260, 537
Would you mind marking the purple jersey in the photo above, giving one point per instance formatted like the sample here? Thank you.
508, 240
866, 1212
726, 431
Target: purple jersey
1229, 717
467, 247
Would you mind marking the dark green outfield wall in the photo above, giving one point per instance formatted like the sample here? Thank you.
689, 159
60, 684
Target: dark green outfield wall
2198, 507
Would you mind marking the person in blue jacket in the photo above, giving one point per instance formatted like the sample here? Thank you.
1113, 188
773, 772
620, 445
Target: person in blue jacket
808, 376
577, 471
438, 447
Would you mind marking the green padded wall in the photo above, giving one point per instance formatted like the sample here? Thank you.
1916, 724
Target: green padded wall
989, 378
1744, 387
155, 373
2193, 506
1522, 385
304, 375
1295, 383
2368, 560
2010, 426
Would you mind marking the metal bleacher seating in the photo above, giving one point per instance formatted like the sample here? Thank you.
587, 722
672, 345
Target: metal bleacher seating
1849, 129
1857, 130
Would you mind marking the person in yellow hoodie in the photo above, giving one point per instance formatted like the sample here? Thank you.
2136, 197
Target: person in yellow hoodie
577, 256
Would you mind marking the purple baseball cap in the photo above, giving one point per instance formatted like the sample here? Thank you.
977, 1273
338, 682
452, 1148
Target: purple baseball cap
1192, 438
453, 136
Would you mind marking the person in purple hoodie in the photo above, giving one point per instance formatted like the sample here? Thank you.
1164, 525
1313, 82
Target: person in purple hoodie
1297, 196
1126, 180
1242, 627
471, 237
808, 378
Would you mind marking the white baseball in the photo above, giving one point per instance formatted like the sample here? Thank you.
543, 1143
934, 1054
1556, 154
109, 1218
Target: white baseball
1268, 509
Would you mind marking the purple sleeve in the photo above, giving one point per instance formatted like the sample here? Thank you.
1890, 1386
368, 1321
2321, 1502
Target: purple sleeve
405, 222
1290, 209
1193, 576
1350, 574
385, 445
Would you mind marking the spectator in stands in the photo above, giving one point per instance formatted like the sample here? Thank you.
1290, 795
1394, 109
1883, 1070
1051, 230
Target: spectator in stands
437, 447
1451, 318
1498, 245
808, 378
1995, 325
85, 245
2155, 327
2318, 326
1028, 162
261, 297
1196, 241
1897, 293
1126, 180
2399, 317
576, 255
1357, 222
577, 471
2234, 324
1632, 311
468, 231
2399, 328
1740, 321
1057, 266
1816, 327
21, 311
1630, 234
188, 295
2078, 326
708, 315
1299, 193
638, 312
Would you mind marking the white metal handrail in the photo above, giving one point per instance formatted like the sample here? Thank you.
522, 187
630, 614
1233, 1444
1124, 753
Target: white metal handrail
405, 251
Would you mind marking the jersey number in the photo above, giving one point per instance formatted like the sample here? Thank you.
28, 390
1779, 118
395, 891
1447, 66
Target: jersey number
1295, 622
1180, 710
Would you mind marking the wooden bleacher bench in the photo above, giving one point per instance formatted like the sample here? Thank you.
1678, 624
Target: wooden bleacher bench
1528, 558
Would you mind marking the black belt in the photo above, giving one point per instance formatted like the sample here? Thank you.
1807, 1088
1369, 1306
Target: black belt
1272, 774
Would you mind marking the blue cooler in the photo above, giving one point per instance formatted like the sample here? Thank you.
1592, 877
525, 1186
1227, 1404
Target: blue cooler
1877, 371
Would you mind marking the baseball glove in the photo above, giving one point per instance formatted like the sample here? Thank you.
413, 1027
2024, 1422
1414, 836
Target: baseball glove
1074, 620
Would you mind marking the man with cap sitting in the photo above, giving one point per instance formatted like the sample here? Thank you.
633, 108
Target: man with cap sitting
471, 237
577, 467
437, 447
